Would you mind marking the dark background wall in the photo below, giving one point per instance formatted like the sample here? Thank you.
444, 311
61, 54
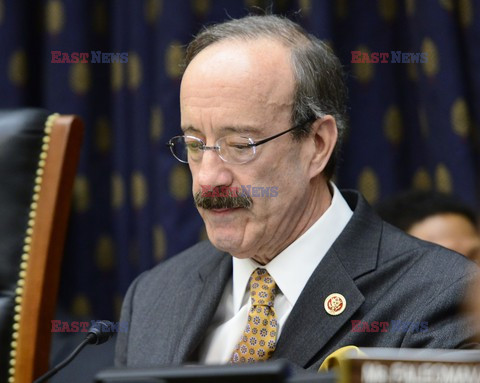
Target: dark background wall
412, 125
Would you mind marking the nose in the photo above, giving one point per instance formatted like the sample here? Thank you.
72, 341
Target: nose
212, 171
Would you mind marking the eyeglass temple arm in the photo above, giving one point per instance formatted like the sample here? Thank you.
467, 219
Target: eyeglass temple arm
276, 135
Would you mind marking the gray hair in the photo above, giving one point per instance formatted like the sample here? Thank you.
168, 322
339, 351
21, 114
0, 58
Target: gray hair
319, 79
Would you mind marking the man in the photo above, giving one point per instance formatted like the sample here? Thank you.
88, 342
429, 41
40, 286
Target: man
435, 217
263, 104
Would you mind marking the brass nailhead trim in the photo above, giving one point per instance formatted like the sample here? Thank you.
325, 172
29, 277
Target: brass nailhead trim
26, 247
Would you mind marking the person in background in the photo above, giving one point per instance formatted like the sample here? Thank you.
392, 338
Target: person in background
435, 217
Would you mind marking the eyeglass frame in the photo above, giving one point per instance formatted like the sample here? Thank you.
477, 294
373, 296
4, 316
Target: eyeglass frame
253, 144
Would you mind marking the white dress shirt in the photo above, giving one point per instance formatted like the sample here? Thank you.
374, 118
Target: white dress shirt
291, 269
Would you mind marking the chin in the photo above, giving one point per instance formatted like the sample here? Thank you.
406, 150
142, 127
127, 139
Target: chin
225, 242
235, 248
228, 245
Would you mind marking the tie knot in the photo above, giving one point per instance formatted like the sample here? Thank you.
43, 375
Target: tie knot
262, 288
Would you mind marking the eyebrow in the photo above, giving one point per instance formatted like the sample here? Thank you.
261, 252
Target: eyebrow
189, 129
225, 129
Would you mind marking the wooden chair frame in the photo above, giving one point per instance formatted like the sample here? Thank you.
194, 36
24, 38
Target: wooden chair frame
38, 280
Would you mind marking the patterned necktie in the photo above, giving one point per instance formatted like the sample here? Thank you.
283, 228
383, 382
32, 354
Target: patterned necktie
259, 338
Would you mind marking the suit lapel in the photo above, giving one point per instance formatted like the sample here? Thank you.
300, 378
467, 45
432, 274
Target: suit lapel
204, 298
309, 327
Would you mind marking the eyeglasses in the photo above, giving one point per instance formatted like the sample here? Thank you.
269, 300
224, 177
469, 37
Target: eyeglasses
233, 149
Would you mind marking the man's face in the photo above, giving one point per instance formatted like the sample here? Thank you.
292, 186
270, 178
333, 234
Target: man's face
452, 231
247, 88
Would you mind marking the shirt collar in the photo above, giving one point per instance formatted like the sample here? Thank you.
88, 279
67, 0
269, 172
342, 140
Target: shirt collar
292, 268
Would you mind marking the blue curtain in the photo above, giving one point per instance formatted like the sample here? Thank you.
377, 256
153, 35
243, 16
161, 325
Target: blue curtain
412, 124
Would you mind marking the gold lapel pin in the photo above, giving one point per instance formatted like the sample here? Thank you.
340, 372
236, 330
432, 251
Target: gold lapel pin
335, 304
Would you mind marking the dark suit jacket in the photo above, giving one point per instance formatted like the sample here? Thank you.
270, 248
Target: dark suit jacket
384, 274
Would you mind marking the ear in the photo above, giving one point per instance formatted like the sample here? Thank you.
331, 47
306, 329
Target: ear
324, 134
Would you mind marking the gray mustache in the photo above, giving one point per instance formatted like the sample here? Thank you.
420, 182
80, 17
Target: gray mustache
238, 200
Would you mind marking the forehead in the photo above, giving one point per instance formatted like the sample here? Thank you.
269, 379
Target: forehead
237, 74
